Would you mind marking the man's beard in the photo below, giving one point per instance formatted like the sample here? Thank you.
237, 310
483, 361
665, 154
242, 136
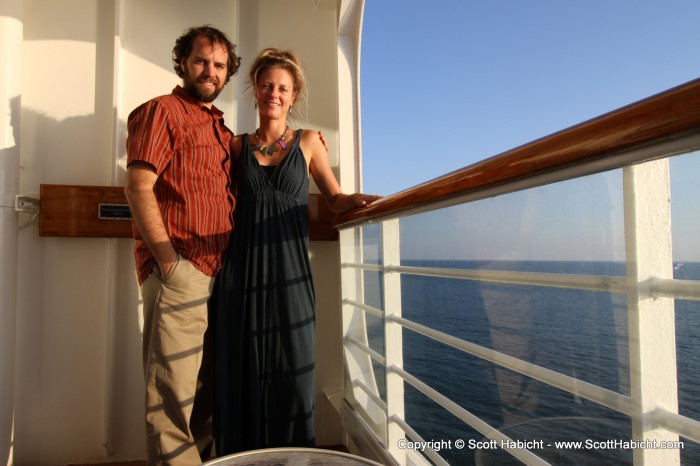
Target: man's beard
199, 94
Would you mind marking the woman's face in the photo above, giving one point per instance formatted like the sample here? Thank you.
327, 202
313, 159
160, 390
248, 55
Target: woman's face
274, 93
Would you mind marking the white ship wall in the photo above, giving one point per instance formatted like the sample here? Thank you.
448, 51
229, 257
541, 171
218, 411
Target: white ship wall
70, 344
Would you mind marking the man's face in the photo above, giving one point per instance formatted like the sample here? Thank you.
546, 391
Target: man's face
205, 70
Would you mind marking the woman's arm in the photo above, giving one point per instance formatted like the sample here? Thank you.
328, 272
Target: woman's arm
322, 173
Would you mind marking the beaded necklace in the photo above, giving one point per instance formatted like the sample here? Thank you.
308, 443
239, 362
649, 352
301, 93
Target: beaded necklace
265, 149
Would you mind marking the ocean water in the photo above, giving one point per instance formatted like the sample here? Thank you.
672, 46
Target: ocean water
578, 333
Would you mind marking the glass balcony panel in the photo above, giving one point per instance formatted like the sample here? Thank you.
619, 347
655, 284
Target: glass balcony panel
569, 229
685, 209
434, 423
520, 407
363, 329
372, 244
375, 325
373, 295
578, 220
582, 334
685, 215
688, 359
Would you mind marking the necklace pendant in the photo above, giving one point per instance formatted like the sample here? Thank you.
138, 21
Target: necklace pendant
265, 150
271, 149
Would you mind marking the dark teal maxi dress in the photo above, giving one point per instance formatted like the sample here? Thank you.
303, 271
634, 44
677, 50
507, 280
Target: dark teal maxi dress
263, 312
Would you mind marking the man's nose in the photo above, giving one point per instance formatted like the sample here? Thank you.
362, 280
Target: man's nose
208, 68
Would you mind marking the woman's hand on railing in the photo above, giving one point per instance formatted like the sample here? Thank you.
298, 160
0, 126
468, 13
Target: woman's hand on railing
364, 200
343, 203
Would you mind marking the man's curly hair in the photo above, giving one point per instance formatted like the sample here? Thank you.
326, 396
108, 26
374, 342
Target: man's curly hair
183, 48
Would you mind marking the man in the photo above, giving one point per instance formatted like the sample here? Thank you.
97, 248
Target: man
177, 186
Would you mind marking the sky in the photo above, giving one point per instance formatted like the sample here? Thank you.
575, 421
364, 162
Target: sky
445, 86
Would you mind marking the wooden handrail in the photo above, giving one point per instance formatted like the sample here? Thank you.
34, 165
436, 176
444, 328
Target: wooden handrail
669, 115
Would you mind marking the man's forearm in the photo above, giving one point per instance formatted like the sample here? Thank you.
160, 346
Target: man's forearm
148, 218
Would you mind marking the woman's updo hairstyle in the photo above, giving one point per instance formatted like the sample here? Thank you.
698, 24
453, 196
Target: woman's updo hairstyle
276, 58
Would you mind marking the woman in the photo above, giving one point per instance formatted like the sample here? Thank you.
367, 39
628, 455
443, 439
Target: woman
263, 303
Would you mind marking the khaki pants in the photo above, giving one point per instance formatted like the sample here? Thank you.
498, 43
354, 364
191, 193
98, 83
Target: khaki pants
176, 366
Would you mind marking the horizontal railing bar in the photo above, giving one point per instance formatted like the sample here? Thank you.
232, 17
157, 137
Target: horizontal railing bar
672, 288
355, 265
681, 425
475, 422
413, 435
362, 346
614, 284
662, 125
365, 307
656, 287
569, 384
377, 400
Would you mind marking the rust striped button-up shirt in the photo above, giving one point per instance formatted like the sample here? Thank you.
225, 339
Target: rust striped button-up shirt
188, 146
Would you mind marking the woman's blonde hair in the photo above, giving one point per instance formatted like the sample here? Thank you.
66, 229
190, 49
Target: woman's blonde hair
276, 58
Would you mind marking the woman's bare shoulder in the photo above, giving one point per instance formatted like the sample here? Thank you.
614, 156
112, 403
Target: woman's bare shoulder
312, 140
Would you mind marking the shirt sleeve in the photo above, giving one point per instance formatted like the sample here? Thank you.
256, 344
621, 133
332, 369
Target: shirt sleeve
150, 135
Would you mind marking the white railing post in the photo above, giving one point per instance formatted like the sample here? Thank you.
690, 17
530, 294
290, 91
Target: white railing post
651, 320
393, 336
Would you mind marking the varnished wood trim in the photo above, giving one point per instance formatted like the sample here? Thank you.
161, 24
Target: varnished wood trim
72, 211
321, 220
665, 116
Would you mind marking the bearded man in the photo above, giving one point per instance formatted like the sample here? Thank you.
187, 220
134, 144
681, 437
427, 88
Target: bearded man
177, 186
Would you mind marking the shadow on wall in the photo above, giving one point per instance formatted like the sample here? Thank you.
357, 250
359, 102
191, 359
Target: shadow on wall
78, 330
9, 157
